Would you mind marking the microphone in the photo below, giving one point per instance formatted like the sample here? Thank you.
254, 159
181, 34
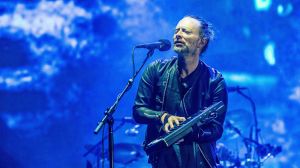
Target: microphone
161, 45
235, 88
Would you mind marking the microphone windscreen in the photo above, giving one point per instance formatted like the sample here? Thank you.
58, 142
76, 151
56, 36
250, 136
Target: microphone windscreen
166, 45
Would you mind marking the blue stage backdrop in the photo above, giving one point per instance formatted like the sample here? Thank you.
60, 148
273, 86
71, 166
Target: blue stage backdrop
62, 63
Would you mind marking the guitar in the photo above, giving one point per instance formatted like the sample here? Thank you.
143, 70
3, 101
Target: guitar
178, 132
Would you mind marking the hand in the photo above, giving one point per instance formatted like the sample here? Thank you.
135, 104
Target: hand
171, 121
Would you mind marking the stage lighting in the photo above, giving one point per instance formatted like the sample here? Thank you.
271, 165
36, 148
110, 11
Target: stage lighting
247, 79
284, 9
262, 5
269, 53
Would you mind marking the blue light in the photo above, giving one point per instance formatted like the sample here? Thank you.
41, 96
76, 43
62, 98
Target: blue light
280, 9
284, 10
49, 69
246, 31
269, 53
247, 79
262, 5
58, 24
11, 121
295, 95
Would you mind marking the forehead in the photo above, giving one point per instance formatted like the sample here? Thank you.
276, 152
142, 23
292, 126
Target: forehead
188, 23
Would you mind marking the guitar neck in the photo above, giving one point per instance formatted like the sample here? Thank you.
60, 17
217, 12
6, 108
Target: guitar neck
200, 118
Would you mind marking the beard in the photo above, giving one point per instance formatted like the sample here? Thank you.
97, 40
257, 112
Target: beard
181, 50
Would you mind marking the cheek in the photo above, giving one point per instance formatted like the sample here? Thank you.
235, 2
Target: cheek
197, 43
192, 42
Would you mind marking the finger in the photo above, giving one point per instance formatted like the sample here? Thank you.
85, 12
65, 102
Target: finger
166, 127
171, 122
181, 118
176, 121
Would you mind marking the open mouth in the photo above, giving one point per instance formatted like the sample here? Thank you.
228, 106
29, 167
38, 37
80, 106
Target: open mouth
178, 43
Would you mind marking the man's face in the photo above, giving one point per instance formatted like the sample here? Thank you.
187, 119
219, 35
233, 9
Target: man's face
186, 37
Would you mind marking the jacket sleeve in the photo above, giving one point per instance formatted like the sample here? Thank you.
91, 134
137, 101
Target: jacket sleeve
214, 130
143, 111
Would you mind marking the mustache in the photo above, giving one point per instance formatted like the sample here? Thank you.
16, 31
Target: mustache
179, 42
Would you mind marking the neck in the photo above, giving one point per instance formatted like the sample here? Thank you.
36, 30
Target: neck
187, 64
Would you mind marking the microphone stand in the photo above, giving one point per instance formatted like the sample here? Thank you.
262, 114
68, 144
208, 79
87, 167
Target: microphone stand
256, 129
108, 118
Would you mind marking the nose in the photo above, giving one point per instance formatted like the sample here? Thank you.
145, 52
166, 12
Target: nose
178, 35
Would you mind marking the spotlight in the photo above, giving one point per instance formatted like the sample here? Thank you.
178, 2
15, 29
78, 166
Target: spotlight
262, 5
269, 53
284, 9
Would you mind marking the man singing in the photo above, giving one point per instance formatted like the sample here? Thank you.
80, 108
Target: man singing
172, 90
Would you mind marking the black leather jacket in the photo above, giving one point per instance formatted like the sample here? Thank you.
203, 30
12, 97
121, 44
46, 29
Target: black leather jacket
158, 92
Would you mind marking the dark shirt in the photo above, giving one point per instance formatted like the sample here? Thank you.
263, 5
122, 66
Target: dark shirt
187, 82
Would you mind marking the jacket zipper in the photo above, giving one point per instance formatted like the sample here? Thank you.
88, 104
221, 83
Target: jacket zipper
165, 92
187, 115
184, 103
204, 156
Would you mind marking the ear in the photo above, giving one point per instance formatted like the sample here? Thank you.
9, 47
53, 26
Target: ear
202, 42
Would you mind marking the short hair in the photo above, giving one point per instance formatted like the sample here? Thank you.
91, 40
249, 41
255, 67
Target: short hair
206, 30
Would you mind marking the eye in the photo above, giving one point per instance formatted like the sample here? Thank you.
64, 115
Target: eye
186, 31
